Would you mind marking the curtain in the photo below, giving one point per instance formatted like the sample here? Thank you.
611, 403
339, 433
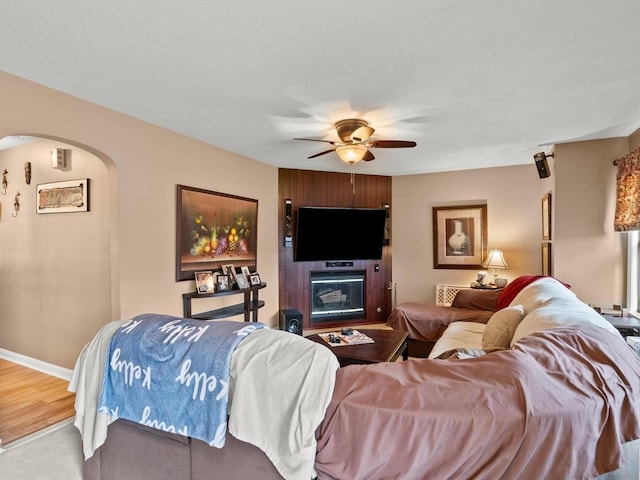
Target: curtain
628, 193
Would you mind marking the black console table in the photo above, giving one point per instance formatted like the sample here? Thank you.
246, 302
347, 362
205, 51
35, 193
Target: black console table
249, 307
627, 326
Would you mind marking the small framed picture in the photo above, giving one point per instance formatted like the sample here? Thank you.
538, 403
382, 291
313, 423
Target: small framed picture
546, 216
242, 281
245, 271
63, 197
254, 278
222, 284
547, 259
204, 282
230, 271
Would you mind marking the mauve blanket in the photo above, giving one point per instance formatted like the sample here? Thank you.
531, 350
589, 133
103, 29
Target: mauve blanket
558, 405
428, 322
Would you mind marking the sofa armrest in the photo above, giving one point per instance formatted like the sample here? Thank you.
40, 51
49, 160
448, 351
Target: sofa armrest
477, 299
427, 322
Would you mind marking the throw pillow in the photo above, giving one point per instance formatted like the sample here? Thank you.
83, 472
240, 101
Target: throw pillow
501, 326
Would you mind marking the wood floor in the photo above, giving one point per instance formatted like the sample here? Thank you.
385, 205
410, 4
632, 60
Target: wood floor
30, 401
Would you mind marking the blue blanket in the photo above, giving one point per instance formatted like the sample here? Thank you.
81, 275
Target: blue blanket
172, 374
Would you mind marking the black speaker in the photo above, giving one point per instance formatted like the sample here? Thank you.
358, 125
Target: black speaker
288, 226
291, 321
542, 165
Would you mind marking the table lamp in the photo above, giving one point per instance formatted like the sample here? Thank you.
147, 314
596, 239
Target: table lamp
494, 262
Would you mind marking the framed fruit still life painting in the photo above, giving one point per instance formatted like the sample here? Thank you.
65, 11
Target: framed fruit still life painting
214, 229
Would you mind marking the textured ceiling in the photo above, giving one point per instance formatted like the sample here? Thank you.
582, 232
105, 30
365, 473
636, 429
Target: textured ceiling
475, 84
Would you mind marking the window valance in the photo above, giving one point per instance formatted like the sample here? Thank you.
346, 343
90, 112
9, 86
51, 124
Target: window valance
628, 192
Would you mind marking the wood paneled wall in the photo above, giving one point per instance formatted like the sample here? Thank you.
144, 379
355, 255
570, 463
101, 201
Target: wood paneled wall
328, 189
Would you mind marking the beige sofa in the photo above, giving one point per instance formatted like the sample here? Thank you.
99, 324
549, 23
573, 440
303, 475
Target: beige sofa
425, 324
543, 304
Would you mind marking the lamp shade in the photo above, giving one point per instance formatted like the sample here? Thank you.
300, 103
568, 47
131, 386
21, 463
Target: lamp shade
495, 261
351, 153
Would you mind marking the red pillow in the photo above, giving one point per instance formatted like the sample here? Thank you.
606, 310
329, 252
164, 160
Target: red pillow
514, 288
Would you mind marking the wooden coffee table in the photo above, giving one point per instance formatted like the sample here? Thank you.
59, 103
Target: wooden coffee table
387, 347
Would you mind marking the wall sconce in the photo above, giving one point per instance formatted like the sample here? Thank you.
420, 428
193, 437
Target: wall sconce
541, 164
5, 182
59, 158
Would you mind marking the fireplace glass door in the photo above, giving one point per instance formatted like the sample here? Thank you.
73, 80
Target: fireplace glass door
337, 295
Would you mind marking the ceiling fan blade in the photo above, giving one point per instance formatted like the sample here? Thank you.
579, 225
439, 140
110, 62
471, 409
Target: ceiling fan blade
392, 144
368, 156
322, 153
317, 140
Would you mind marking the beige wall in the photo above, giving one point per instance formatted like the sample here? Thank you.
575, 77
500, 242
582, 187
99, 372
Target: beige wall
144, 164
587, 253
634, 140
55, 277
141, 165
512, 195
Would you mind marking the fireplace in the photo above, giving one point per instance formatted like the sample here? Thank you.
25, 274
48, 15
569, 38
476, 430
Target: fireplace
337, 295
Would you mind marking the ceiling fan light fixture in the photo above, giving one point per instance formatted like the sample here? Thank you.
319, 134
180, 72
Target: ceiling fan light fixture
351, 153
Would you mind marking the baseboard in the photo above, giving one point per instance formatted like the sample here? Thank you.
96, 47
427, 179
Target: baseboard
35, 364
38, 434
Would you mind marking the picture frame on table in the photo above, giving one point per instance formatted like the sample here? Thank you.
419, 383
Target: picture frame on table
222, 283
245, 270
254, 279
213, 228
230, 271
459, 236
242, 281
204, 282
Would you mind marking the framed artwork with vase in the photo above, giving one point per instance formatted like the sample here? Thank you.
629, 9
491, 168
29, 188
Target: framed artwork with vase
459, 236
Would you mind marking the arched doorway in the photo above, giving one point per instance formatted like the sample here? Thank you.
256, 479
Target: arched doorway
58, 271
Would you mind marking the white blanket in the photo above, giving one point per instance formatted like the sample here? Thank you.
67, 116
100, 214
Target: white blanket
549, 304
86, 382
459, 335
280, 382
280, 387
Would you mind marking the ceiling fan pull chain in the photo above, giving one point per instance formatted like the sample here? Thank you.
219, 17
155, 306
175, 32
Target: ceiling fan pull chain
353, 179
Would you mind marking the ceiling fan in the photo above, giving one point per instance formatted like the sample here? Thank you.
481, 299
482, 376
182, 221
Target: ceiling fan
354, 143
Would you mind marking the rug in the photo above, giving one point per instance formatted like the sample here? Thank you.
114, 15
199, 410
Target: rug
54, 453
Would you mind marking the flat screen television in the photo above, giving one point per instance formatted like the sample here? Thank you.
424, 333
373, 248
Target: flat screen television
326, 233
